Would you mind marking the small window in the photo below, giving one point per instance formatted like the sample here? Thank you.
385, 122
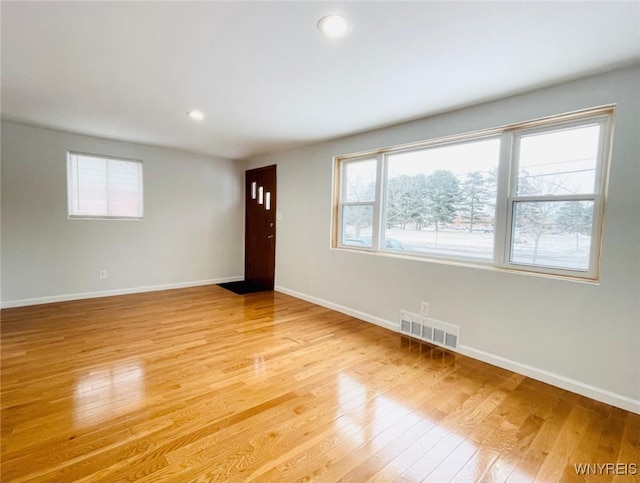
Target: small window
528, 196
100, 187
357, 202
555, 196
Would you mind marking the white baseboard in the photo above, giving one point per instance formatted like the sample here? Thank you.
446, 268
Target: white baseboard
557, 380
340, 308
110, 293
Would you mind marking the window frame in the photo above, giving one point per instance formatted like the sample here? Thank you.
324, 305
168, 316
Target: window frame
506, 197
108, 159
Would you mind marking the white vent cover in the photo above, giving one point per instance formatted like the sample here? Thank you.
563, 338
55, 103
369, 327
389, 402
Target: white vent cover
430, 330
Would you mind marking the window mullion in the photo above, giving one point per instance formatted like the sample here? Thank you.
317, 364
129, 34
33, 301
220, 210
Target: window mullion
502, 228
378, 208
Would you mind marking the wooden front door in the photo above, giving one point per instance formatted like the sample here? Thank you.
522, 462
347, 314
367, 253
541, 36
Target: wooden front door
260, 226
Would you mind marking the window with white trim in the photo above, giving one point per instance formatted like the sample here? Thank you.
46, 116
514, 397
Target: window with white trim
528, 197
101, 187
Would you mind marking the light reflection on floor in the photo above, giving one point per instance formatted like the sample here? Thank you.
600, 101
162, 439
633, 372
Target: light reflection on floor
259, 365
367, 414
103, 393
372, 419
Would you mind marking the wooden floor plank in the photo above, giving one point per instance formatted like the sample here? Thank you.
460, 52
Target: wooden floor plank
565, 445
628, 460
200, 384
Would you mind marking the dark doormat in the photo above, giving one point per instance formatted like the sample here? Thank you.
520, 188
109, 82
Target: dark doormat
243, 287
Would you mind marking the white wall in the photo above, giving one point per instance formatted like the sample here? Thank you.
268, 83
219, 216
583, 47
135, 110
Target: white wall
580, 336
191, 233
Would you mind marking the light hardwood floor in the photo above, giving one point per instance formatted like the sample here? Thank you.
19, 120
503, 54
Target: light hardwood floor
201, 384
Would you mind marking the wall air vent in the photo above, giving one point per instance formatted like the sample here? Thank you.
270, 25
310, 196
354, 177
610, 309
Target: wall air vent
438, 336
429, 330
451, 340
405, 323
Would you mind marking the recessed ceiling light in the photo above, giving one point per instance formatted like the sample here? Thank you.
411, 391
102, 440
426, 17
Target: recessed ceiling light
197, 115
335, 26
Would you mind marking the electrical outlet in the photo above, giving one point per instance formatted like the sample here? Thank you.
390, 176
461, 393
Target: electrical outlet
102, 274
424, 309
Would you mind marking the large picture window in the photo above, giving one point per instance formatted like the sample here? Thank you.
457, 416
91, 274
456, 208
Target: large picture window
441, 200
527, 197
100, 187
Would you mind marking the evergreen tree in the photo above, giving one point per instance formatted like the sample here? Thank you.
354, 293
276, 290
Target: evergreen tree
442, 192
404, 195
474, 196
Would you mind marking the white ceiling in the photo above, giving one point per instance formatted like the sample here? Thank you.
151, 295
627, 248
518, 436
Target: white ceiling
266, 78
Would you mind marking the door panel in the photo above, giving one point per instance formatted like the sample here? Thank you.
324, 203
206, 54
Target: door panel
260, 226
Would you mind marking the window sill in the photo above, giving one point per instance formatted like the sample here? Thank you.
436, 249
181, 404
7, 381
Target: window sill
474, 264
